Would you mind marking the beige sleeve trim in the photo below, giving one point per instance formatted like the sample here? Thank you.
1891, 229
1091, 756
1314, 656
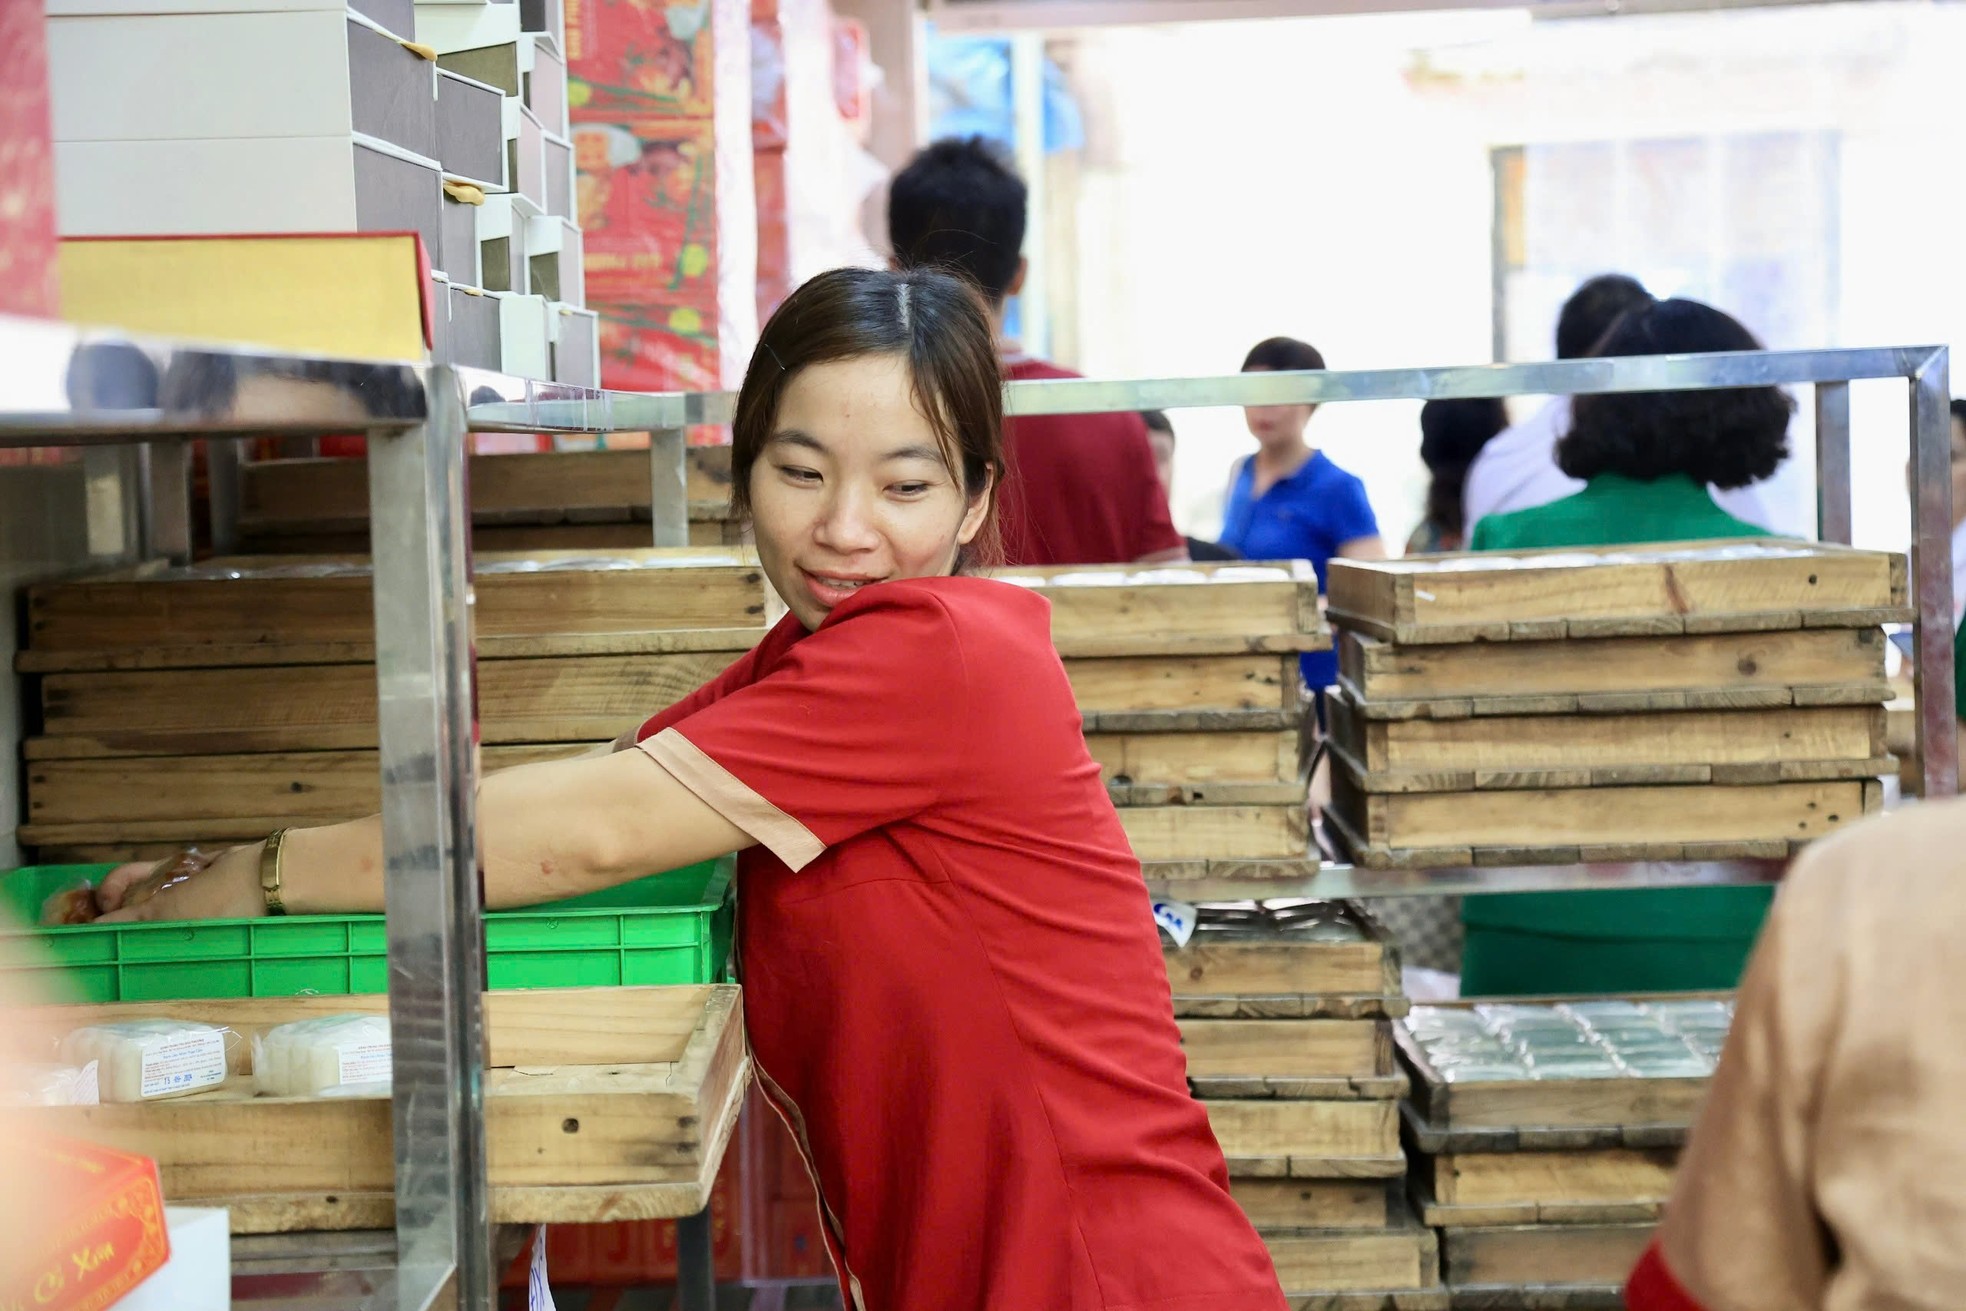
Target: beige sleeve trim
786, 838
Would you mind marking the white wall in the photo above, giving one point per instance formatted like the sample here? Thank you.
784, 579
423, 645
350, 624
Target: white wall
1329, 179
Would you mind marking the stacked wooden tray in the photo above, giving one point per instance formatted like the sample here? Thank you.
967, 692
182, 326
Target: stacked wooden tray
561, 500
600, 1104
1286, 1015
1699, 701
252, 679
1545, 1174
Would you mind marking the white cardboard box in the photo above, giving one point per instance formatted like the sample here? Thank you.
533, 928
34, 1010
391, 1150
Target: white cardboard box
256, 184
397, 16
195, 77
448, 27
525, 335
198, 1275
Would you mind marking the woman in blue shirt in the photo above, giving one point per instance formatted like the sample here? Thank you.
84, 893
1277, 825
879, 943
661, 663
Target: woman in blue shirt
1289, 501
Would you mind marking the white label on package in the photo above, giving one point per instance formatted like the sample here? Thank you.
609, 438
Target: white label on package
1178, 918
539, 1290
368, 1063
184, 1064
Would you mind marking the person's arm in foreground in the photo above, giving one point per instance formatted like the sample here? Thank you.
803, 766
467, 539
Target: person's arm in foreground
1741, 1232
545, 832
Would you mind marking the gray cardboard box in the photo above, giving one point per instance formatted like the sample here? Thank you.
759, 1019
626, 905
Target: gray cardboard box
526, 161
390, 91
545, 86
559, 177
440, 319
474, 339
461, 243
471, 129
398, 192
576, 346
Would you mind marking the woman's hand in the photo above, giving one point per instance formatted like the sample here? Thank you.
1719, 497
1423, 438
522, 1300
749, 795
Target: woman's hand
185, 889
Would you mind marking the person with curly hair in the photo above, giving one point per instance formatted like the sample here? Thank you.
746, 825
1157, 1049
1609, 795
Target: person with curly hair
1452, 435
1647, 460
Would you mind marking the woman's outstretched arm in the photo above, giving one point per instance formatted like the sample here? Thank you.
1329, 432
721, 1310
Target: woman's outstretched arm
546, 831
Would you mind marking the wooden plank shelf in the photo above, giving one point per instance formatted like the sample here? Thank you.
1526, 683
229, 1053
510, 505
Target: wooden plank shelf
1516, 752
600, 1103
1819, 666
1503, 827
1394, 1267
1519, 1258
1322, 1203
1755, 585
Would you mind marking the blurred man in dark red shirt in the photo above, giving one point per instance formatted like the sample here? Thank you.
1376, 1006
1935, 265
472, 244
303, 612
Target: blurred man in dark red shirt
1082, 488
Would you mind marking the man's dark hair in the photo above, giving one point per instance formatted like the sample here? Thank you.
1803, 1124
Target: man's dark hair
1728, 438
1283, 355
959, 206
1158, 421
1959, 409
1591, 311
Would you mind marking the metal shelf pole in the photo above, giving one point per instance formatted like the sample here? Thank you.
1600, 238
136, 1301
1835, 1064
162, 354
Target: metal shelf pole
428, 731
669, 487
1931, 573
1833, 462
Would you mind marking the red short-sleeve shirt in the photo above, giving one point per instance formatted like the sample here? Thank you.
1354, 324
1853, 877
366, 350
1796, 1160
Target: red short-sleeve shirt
953, 982
1081, 487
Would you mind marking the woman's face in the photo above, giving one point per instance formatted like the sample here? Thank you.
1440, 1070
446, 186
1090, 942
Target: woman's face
851, 488
1276, 425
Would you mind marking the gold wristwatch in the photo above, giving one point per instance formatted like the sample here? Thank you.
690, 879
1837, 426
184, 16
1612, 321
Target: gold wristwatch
269, 872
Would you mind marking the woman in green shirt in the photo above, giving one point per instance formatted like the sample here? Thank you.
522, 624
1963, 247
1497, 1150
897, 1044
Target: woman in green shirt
1648, 460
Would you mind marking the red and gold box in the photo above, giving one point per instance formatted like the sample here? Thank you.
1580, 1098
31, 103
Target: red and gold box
111, 1237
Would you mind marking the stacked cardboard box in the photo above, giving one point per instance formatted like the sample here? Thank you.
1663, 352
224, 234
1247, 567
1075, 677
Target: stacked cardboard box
208, 118
1545, 1137
1698, 701
1286, 1013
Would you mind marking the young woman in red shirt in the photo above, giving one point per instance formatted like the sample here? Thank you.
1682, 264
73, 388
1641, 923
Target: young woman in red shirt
953, 982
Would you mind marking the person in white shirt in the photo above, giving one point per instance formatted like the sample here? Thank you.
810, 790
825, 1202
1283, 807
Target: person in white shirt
1517, 469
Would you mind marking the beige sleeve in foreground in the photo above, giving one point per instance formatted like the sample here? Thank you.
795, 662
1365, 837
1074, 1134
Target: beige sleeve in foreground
1741, 1232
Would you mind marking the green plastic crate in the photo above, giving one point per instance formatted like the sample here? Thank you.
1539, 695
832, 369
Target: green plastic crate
665, 929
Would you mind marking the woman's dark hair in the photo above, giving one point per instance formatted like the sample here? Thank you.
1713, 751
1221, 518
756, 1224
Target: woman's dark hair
960, 206
1282, 355
933, 320
1593, 309
1452, 433
1728, 438
1157, 421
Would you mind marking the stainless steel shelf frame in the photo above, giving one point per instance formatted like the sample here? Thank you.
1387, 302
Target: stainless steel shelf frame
64, 386
1829, 373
